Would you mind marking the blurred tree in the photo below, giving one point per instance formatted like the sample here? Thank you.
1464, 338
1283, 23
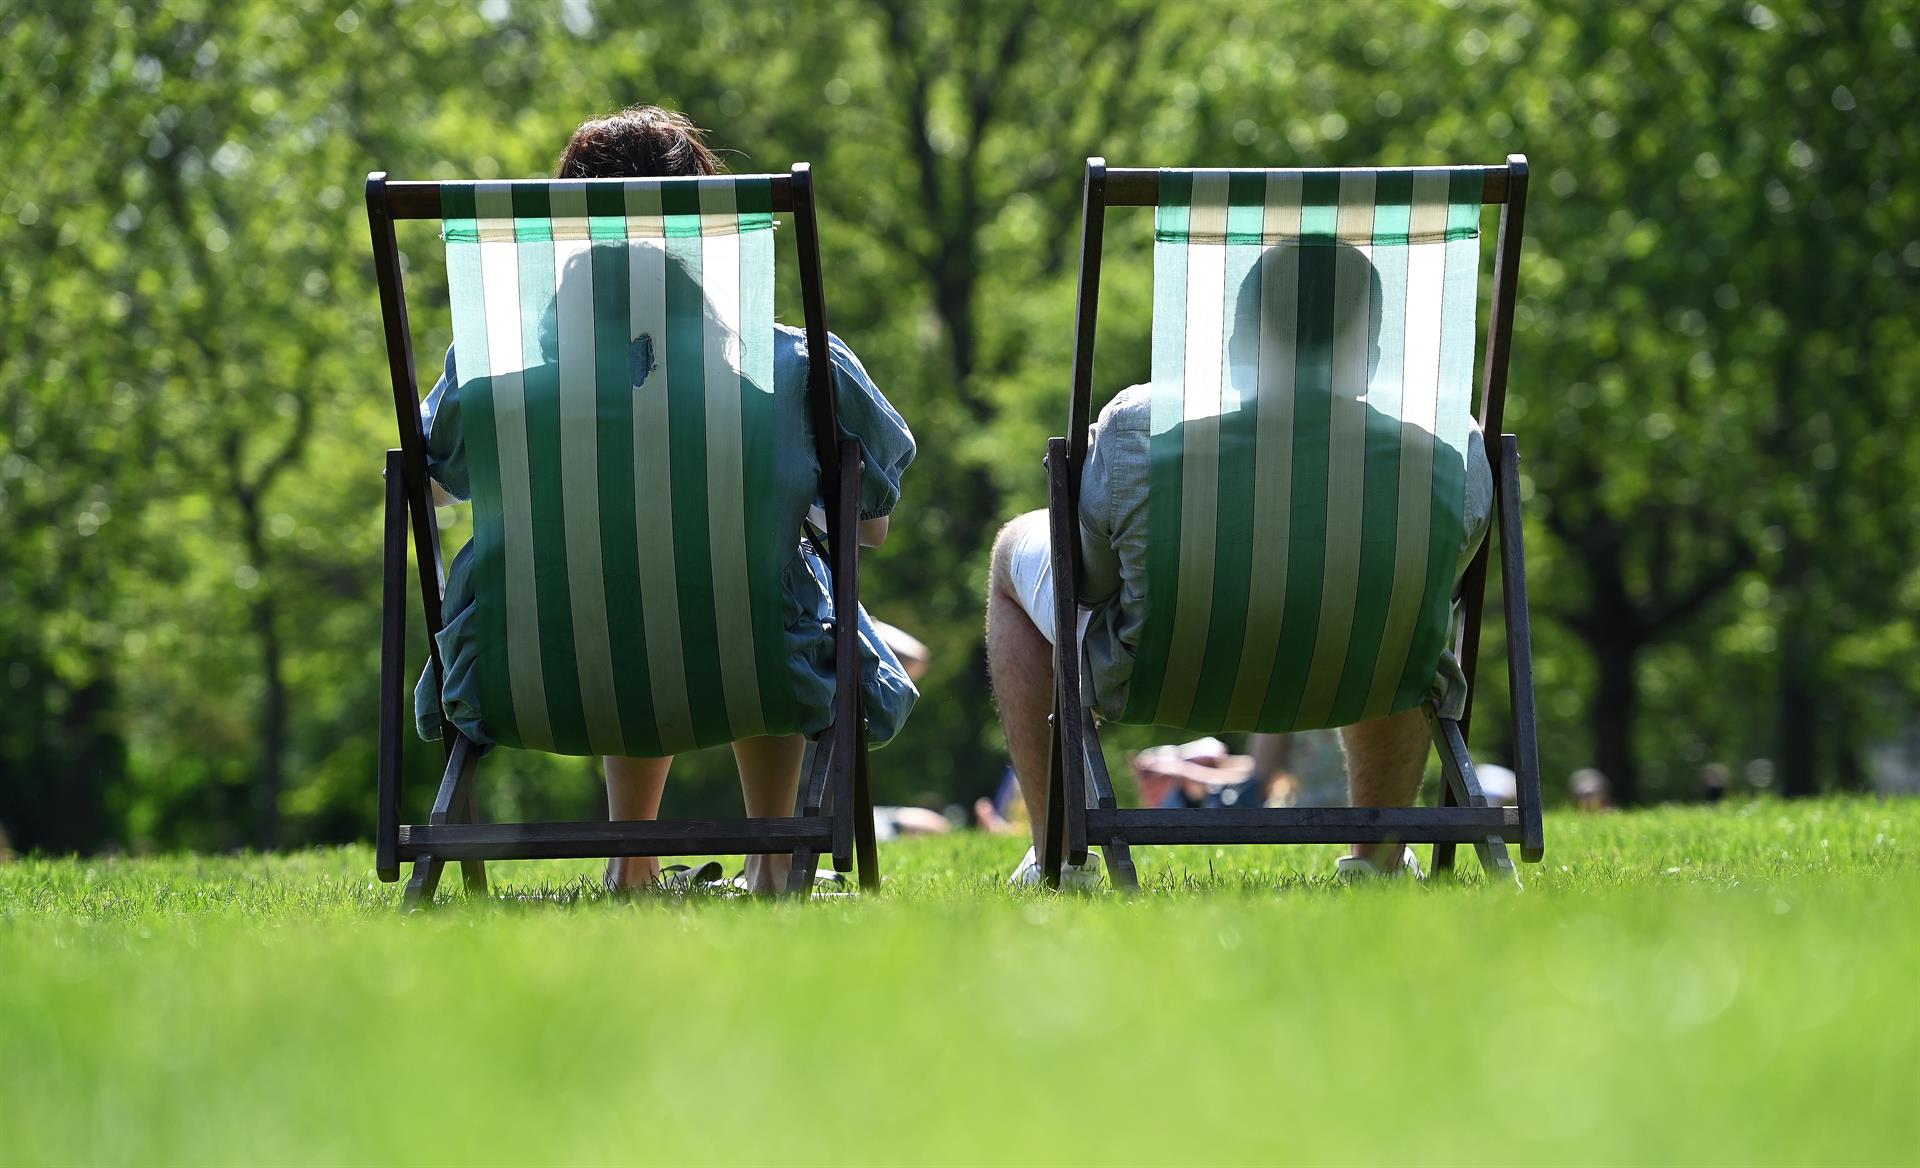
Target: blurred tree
74, 436
1724, 396
1715, 348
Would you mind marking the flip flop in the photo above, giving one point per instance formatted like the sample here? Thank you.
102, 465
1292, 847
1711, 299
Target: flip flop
674, 878
682, 878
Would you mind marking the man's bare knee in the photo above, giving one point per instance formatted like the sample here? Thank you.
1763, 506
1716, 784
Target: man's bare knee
1000, 566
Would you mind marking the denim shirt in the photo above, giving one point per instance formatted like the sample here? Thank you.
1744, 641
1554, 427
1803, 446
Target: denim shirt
886, 447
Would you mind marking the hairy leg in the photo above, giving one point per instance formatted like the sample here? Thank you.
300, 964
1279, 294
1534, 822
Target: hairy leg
633, 792
769, 778
1385, 759
1020, 664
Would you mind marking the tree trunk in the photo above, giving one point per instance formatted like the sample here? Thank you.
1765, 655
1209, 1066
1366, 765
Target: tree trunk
96, 759
1799, 709
271, 782
1612, 717
1849, 770
273, 726
953, 301
54, 781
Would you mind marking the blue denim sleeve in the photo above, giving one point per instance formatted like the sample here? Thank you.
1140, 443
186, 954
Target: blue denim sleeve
886, 445
440, 418
1099, 562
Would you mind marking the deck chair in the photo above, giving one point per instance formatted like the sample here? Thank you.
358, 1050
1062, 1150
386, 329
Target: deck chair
627, 556
1306, 483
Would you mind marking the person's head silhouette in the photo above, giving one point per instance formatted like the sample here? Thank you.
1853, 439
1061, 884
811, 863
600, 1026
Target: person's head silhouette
1335, 269
720, 338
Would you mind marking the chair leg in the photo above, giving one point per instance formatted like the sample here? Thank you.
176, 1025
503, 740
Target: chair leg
393, 687
453, 803
1496, 862
1442, 860
1443, 854
1513, 587
805, 859
1120, 867
423, 883
1463, 788
473, 873
866, 848
1053, 841
1099, 793
840, 800
800, 875
1067, 770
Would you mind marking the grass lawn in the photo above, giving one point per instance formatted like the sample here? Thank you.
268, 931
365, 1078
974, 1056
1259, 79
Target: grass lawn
1731, 985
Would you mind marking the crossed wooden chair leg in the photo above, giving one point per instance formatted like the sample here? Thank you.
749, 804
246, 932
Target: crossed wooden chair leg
455, 802
1118, 856
815, 798
1461, 788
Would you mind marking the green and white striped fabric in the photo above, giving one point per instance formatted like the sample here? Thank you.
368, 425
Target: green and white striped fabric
1313, 354
614, 341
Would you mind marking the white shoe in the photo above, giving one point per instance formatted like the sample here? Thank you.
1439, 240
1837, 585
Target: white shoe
1355, 868
1087, 877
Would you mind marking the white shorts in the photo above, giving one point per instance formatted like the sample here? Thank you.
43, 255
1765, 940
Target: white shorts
1030, 568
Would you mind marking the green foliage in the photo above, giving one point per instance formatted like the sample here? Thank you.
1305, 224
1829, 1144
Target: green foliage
1714, 356
1674, 986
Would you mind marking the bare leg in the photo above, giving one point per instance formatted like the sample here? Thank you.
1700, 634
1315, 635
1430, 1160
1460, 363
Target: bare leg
769, 778
633, 792
1385, 759
1020, 663
1272, 754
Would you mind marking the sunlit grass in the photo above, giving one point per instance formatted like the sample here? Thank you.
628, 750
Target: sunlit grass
1688, 985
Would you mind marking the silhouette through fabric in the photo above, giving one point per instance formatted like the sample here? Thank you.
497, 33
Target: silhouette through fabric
1313, 350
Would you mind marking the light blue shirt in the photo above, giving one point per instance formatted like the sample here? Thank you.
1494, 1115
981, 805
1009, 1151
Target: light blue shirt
1113, 543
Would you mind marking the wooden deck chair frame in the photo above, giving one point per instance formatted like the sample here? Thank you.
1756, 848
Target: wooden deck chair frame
1082, 809
833, 812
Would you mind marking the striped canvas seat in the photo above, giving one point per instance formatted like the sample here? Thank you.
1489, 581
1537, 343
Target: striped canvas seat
1313, 353
614, 341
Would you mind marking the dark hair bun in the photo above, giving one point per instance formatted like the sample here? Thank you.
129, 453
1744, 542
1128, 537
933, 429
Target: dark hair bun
641, 141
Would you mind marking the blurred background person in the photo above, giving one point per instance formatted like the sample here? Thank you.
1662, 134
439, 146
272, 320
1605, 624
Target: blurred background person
1498, 784
1003, 812
894, 822
1204, 773
911, 651
1201, 773
1590, 790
